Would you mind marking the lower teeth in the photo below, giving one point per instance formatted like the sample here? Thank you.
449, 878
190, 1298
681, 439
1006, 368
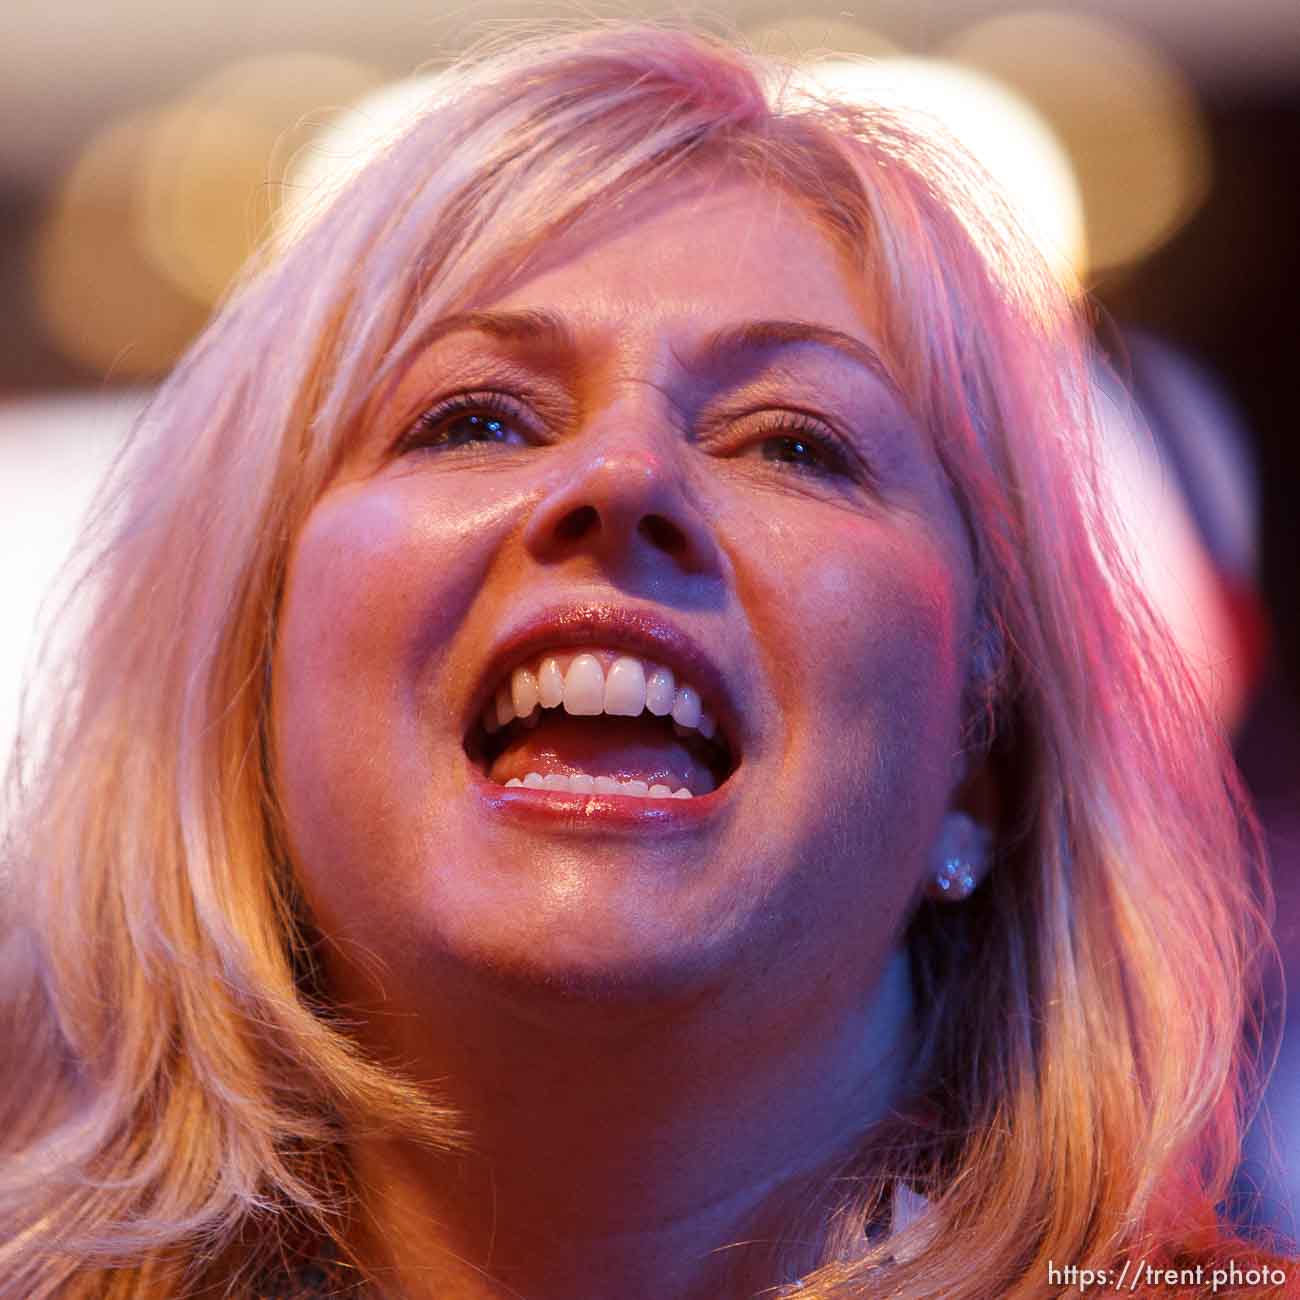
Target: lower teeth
581, 783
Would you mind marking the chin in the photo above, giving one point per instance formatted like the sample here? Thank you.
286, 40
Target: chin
632, 982
597, 962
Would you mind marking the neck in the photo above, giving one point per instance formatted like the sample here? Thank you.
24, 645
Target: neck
622, 1153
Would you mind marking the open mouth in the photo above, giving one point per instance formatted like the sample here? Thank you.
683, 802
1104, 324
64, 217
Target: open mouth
594, 755
587, 727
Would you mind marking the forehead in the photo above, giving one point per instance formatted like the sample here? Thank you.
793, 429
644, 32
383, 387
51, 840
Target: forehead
698, 254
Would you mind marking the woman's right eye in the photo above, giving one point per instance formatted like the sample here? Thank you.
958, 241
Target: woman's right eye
466, 419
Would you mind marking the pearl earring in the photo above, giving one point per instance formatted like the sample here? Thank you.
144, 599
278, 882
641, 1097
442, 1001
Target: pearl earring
959, 858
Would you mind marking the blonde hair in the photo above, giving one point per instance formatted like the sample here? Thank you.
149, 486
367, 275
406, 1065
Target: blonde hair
179, 1091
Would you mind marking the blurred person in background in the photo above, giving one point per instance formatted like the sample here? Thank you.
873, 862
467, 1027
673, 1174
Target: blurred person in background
1187, 496
616, 753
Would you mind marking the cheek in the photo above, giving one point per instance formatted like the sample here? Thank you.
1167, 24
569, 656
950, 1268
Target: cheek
380, 578
874, 612
867, 620
898, 640
863, 626
371, 601
353, 597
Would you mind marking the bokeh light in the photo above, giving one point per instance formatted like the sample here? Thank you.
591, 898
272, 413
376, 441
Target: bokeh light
806, 38
212, 177
164, 206
1126, 115
95, 292
997, 127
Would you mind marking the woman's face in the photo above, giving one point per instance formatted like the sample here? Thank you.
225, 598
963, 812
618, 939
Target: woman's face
671, 441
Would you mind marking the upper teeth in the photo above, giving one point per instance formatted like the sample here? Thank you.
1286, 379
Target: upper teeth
597, 681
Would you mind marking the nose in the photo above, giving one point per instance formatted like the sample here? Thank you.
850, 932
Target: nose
623, 503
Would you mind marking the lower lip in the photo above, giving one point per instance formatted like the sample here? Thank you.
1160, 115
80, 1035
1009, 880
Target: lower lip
556, 810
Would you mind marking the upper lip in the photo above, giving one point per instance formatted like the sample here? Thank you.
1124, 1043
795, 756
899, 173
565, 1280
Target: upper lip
639, 631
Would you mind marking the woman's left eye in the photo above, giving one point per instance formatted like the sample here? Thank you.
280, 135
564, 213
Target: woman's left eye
799, 441
467, 419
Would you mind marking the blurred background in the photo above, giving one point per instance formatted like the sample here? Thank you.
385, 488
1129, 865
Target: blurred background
1153, 146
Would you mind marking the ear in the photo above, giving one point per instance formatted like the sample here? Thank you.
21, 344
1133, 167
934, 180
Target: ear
962, 850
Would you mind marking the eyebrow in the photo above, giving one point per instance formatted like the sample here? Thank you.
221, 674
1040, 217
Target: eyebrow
538, 327
766, 335
550, 329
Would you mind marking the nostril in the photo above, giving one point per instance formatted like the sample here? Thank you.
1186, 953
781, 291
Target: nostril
655, 528
576, 523
666, 536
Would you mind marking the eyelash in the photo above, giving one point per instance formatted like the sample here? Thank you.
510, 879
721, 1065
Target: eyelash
425, 432
790, 427
495, 410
